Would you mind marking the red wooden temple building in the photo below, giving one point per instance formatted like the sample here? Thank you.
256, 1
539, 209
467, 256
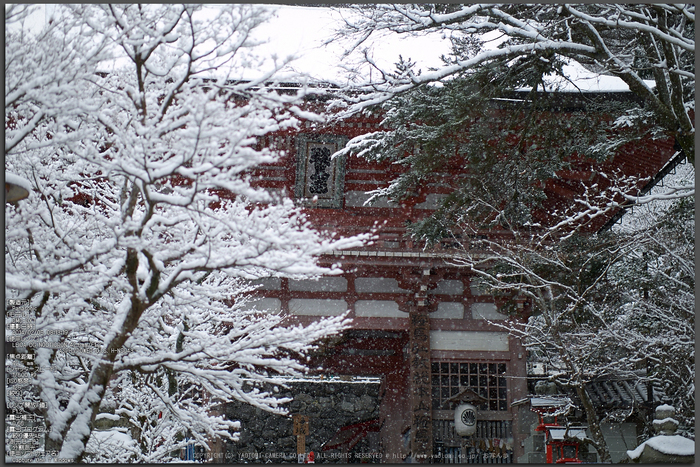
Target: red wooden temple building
421, 325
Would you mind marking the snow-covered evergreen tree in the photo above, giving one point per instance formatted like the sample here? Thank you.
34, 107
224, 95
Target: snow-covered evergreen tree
649, 47
615, 305
465, 113
657, 280
464, 118
142, 226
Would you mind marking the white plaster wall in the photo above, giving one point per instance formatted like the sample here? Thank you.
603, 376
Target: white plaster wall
317, 306
268, 283
378, 309
270, 305
323, 284
377, 285
432, 200
448, 310
486, 311
357, 199
469, 340
448, 287
476, 286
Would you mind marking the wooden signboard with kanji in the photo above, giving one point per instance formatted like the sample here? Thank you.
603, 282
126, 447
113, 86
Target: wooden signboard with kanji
301, 425
301, 430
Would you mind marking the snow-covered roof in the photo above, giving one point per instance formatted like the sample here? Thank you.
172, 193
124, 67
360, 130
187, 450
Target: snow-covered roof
302, 31
549, 401
580, 79
116, 439
114, 435
621, 393
558, 433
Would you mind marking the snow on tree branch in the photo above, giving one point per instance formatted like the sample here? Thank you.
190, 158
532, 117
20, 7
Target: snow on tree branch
600, 306
143, 227
650, 47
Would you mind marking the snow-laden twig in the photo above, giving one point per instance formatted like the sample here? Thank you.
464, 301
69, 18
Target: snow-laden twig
144, 228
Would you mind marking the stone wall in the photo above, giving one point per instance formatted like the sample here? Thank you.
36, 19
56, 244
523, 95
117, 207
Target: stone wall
620, 438
330, 405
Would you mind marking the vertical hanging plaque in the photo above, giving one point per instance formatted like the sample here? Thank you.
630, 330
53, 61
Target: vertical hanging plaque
319, 176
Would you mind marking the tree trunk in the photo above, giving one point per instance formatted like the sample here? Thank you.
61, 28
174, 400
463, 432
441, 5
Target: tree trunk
591, 416
594, 425
102, 373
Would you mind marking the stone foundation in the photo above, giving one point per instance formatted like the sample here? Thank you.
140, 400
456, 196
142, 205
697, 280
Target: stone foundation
330, 405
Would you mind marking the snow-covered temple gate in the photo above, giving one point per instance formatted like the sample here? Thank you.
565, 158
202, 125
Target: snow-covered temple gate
423, 326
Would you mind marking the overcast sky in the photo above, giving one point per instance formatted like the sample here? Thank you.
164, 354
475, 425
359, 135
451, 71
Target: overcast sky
300, 31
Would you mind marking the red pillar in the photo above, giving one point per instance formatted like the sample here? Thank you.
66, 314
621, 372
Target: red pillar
550, 456
419, 372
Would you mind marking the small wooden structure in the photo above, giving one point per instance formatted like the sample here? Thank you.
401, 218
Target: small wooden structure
563, 441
